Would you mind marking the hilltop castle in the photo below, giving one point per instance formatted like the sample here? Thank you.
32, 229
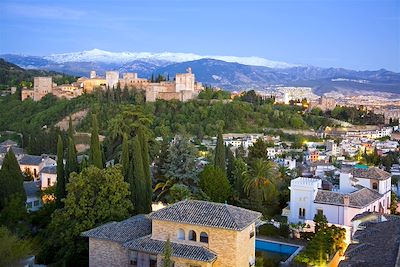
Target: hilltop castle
183, 88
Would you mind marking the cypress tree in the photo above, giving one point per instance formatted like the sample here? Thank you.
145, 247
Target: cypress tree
72, 162
95, 150
131, 180
70, 128
60, 187
146, 168
11, 179
219, 160
167, 254
124, 160
139, 178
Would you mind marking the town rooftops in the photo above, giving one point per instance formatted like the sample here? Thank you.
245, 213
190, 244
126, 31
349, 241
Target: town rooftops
49, 170
31, 189
30, 160
129, 229
179, 250
358, 199
16, 150
377, 243
207, 214
370, 173
8, 142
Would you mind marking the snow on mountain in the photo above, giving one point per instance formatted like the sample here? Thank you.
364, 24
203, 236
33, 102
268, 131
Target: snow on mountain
97, 55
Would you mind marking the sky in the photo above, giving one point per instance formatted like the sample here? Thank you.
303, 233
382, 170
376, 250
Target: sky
354, 34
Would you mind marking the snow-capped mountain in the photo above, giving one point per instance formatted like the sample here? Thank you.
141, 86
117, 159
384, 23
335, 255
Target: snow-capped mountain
97, 55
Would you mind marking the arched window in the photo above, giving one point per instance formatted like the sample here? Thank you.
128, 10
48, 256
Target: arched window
375, 185
192, 235
181, 234
203, 237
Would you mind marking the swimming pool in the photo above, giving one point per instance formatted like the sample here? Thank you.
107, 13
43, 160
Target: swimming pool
273, 252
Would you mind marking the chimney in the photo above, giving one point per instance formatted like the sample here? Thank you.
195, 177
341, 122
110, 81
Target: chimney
346, 200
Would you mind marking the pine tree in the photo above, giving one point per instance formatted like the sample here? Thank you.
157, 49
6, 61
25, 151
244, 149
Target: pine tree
219, 160
72, 162
124, 160
60, 187
139, 178
95, 150
146, 168
167, 262
11, 179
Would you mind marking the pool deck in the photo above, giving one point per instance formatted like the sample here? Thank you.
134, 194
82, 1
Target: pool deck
276, 240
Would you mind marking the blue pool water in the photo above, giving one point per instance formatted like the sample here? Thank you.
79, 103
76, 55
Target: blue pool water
264, 245
272, 253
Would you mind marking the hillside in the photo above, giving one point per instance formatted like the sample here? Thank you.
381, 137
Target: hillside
13, 75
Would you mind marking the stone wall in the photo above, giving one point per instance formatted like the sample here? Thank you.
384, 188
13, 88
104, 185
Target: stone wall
107, 253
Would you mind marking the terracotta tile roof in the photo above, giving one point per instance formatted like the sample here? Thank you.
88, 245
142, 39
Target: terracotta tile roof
207, 214
132, 228
376, 245
370, 173
179, 250
358, 199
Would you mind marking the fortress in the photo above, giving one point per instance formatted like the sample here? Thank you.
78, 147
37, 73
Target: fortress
183, 88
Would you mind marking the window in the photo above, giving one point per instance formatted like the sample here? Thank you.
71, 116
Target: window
153, 261
302, 213
375, 185
36, 203
192, 235
320, 211
251, 234
181, 234
34, 173
133, 258
48, 182
374, 207
203, 237
29, 205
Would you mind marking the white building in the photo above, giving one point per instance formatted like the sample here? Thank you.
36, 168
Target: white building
48, 176
360, 190
33, 199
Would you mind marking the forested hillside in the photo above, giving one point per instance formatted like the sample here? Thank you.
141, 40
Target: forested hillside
12, 75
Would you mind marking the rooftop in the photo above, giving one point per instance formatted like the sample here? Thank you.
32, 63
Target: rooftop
376, 245
31, 189
8, 142
49, 169
192, 252
370, 173
132, 228
30, 160
358, 199
207, 214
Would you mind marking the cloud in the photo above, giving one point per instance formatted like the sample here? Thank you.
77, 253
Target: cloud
42, 12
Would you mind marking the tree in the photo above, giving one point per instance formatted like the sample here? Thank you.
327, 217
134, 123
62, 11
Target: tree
167, 262
214, 183
139, 178
12, 249
258, 150
95, 196
124, 160
219, 160
230, 158
393, 204
95, 150
72, 161
11, 179
60, 186
179, 192
144, 145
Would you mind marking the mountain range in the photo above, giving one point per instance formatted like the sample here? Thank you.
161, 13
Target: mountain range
228, 72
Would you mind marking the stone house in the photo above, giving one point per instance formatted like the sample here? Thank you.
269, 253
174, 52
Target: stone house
34, 164
202, 234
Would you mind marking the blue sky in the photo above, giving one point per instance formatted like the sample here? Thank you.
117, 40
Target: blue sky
356, 34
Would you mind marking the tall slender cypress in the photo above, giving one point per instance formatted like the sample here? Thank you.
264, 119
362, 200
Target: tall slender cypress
70, 128
95, 157
139, 178
146, 168
60, 187
130, 178
72, 161
124, 160
11, 179
219, 160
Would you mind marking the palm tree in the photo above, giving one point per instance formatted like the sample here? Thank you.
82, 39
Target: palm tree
262, 177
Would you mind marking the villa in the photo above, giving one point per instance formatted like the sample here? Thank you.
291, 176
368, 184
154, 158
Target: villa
202, 234
361, 190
